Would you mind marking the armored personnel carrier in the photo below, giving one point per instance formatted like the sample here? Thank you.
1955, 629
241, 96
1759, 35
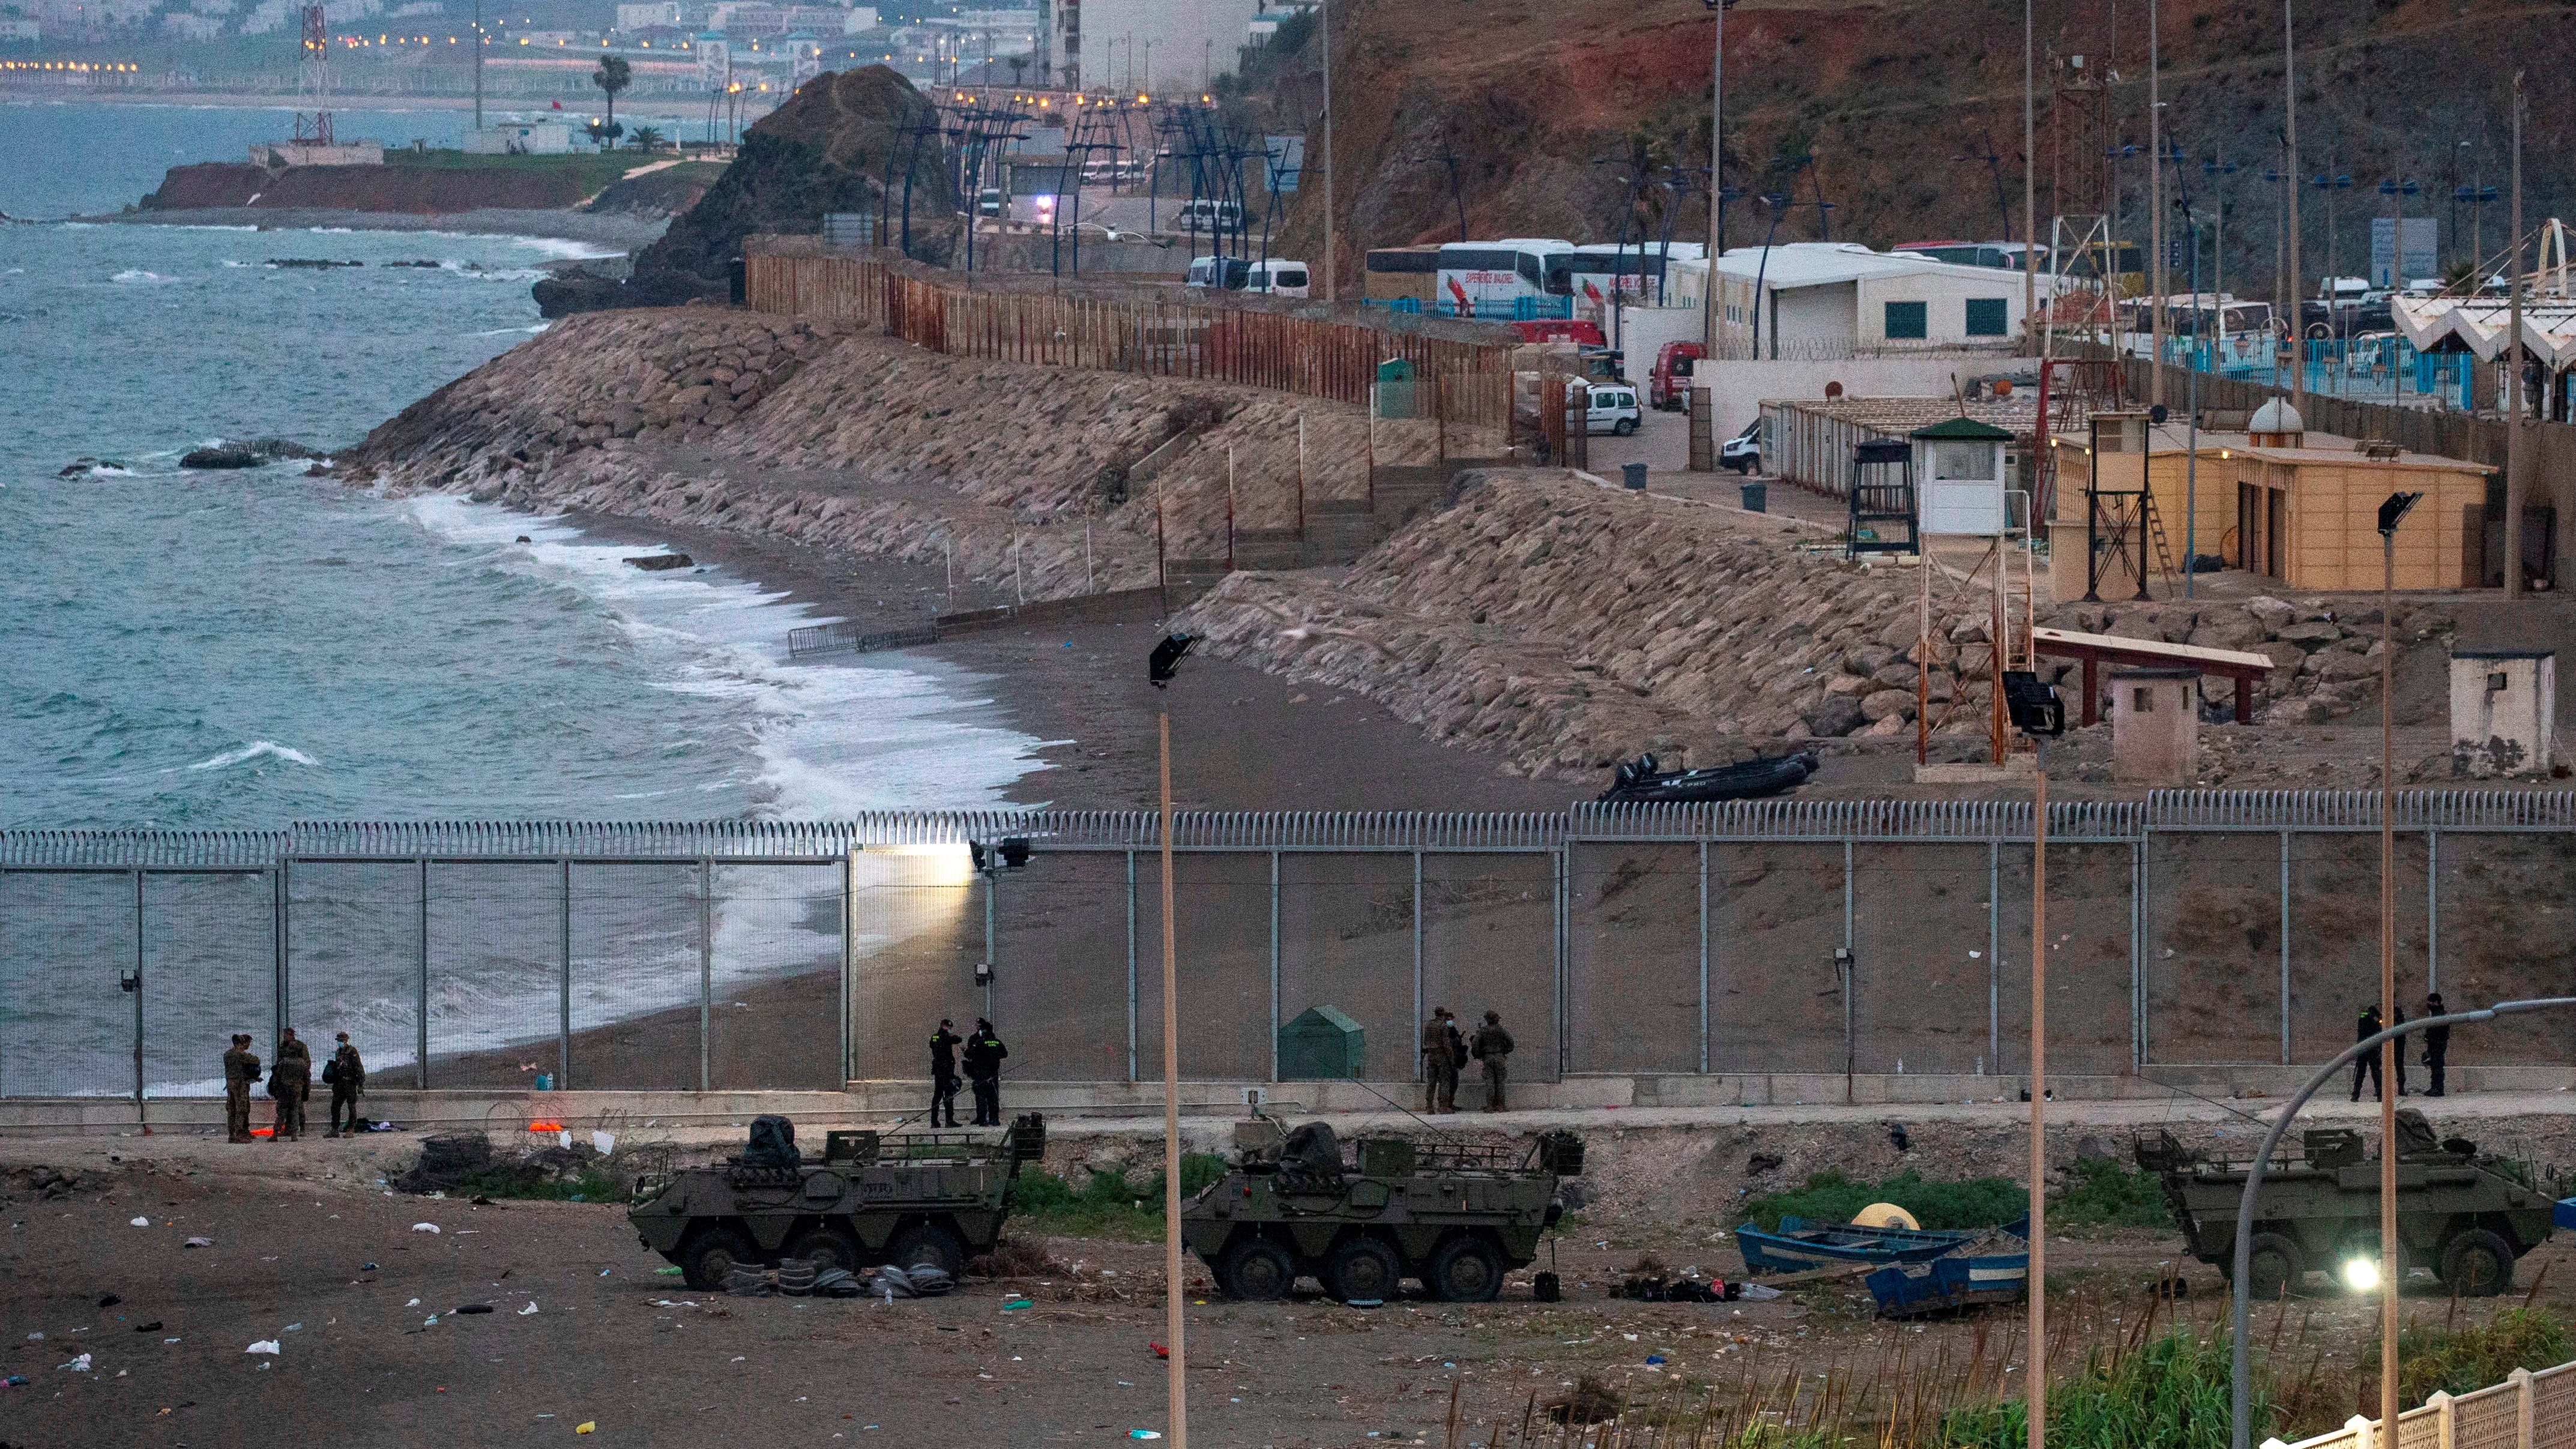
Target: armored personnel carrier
2463, 1214
1455, 1217
929, 1197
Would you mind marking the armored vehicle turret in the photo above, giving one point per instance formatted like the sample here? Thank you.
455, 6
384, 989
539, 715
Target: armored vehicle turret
931, 1197
1455, 1217
2463, 1214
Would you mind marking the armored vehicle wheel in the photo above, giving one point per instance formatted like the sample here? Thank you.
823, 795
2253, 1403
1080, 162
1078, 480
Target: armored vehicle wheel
2477, 1263
2273, 1266
826, 1247
1466, 1269
1256, 1271
929, 1243
712, 1254
1362, 1267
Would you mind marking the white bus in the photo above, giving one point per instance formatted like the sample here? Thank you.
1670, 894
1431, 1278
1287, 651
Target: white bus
1486, 278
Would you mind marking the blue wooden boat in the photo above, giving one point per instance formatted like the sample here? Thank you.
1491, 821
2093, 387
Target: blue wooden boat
1799, 1245
1951, 1283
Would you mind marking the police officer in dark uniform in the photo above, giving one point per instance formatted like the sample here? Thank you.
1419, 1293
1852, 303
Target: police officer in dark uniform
984, 1053
2364, 1030
943, 1073
2437, 1044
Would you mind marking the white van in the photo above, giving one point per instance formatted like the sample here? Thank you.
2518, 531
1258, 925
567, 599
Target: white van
1229, 273
1614, 410
1203, 214
1278, 277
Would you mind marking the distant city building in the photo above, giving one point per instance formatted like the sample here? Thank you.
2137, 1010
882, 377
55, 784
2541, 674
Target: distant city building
746, 19
715, 60
534, 138
1156, 43
17, 31
183, 26
647, 16
858, 18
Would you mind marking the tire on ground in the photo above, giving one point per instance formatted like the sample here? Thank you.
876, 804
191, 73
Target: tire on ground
711, 1254
1362, 1267
2477, 1263
1256, 1270
1465, 1269
2274, 1266
928, 1243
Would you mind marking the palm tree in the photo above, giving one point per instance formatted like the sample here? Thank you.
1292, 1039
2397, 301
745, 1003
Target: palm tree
613, 75
648, 138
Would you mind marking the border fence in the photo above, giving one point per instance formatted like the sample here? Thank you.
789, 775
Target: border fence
1309, 357
2189, 928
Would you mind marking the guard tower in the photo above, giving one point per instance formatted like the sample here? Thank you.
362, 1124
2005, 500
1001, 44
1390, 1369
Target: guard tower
2099, 535
1883, 517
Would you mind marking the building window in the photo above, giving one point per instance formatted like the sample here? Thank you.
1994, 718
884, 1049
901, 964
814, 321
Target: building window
1986, 316
1907, 320
2143, 700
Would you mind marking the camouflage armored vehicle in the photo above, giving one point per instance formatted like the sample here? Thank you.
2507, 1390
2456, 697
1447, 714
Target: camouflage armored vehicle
917, 1198
2464, 1215
1455, 1217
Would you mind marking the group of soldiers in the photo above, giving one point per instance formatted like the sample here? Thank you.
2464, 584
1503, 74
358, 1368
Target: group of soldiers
1446, 1052
983, 1059
290, 1081
2437, 1050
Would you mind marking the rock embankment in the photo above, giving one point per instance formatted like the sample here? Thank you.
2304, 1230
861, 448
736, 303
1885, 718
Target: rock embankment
1566, 626
791, 429
414, 190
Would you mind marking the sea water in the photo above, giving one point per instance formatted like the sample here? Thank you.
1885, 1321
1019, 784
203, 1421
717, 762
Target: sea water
201, 649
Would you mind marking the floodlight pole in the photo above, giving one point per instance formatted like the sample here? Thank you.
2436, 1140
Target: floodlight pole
2037, 1288
2391, 513
1172, 1285
2241, 1372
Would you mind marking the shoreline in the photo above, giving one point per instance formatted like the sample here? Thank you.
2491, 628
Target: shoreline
625, 233
677, 110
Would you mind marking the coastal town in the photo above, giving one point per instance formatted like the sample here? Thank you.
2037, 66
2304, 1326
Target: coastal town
1761, 725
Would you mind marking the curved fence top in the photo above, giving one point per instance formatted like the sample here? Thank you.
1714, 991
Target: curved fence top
1957, 820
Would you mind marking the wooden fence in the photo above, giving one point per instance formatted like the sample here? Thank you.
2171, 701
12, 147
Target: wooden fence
1334, 361
2527, 1411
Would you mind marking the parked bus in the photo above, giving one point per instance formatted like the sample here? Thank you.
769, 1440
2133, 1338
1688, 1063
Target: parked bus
1592, 272
1488, 277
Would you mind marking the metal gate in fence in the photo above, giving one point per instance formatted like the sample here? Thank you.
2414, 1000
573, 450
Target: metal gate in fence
2192, 928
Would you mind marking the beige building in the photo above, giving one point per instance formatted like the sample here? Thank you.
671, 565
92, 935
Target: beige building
2275, 500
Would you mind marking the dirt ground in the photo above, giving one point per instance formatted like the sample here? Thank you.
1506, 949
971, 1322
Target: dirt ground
310, 1250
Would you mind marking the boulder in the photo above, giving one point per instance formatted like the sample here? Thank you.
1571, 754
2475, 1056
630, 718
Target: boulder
1837, 716
2315, 634
1886, 703
2273, 614
225, 455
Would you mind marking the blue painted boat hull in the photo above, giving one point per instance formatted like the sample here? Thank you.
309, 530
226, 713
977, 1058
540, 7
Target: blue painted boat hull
1799, 1246
1951, 1283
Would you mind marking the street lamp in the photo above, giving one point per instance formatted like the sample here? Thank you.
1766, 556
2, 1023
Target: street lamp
1716, 167
2037, 712
1778, 203
2241, 1371
2397, 192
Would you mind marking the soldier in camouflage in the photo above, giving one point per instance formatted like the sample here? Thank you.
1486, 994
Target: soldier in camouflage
348, 1077
293, 1084
241, 1071
1491, 1046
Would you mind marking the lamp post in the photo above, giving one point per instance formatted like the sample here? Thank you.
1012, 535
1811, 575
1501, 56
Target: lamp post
1717, 174
2215, 168
1324, 21
2516, 437
2241, 1374
2037, 712
1778, 203
2396, 191
1164, 663
2391, 513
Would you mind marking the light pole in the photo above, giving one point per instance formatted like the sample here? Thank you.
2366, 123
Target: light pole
2241, 1428
2214, 168
2037, 712
1164, 663
1778, 203
2391, 513
2516, 450
2029, 196
1324, 18
2191, 405
2155, 214
1716, 174
2290, 203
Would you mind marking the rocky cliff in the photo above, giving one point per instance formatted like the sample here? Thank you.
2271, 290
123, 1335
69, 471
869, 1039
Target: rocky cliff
842, 143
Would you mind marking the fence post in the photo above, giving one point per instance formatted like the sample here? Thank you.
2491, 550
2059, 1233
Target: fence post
2138, 951
1274, 966
1131, 965
1417, 956
849, 947
2520, 1379
563, 989
138, 1002
1851, 980
2445, 1422
2285, 948
1561, 866
1703, 958
706, 965
1995, 957
277, 934
2433, 924
420, 1066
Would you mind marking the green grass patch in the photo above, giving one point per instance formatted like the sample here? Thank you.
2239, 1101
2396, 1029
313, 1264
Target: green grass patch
2172, 1392
1832, 1197
2461, 1360
1107, 1204
2102, 1194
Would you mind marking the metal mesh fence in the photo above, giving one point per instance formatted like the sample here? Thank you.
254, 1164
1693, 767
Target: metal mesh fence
1608, 943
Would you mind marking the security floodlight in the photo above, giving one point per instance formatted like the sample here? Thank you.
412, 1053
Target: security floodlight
2394, 510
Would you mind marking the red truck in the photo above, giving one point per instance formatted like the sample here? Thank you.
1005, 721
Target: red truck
1668, 388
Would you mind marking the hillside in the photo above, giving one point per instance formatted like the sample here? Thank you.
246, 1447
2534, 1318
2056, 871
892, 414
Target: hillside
1900, 104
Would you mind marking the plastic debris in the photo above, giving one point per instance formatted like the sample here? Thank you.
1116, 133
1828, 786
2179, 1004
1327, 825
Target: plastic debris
292, 1327
153, 1327
36, 1337
1016, 1304
142, 1222
1159, 1350
1364, 1303
1144, 1434
672, 1272
14, 1381
431, 1322
265, 1345
1654, 1358
474, 1308
586, 1426
603, 1143
415, 1303
531, 1308
79, 1365
1760, 1292
930, 1280
366, 1267
198, 1243
424, 1227
109, 1300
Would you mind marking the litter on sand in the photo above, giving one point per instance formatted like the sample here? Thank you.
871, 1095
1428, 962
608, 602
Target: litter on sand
265, 1345
1759, 1292
586, 1426
424, 1227
1144, 1434
658, 1272
531, 1308
1364, 1303
415, 1303
79, 1365
474, 1308
198, 1243
1016, 1304
142, 1222
153, 1327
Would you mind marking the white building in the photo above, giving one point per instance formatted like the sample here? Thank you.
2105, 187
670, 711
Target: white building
1163, 45
646, 16
1818, 301
17, 31
858, 18
534, 138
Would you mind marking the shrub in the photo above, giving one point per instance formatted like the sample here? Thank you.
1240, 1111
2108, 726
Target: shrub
1107, 1204
2462, 1360
2172, 1392
2101, 1194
